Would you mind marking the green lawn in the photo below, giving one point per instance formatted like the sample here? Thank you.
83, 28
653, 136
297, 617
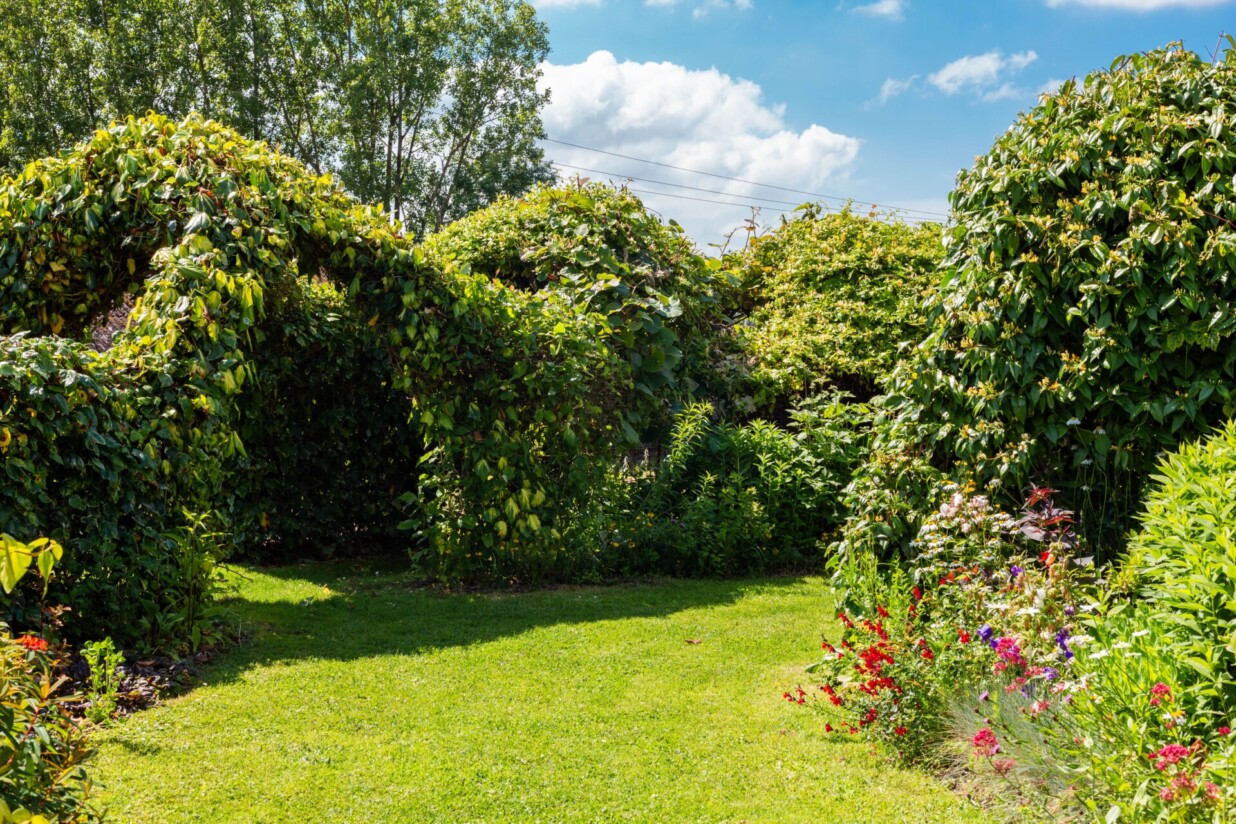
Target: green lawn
363, 699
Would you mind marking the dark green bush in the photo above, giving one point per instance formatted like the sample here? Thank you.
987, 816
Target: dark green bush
94, 457
329, 447
831, 300
1089, 324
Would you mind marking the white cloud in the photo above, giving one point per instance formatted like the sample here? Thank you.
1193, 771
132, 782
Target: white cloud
982, 74
1138, 5
695, 119
894, 88
892, 9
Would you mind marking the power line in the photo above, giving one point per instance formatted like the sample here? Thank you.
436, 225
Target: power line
736, 179
675, 185
704, 200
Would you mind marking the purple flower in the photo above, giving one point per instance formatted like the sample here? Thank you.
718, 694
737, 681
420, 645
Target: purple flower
984, 695
1051, 673
1062, 641
1070, 610
988, 635
1014, 571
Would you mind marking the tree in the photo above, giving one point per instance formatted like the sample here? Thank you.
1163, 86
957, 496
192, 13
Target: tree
430, 107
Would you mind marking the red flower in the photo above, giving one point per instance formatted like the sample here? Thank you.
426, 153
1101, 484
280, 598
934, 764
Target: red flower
917, 593
1225, 730
963, 636
883, 613
33, 643
828, 728
928, 654
900, 731
985, 742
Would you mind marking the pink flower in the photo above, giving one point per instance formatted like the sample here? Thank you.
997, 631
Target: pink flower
985, 742
1003, 766
1159, 692
1225, 730
1168, 755
1211, 791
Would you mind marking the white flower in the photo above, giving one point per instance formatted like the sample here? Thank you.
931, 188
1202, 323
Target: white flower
1087, 462
1100, 431
1074, 422
1141, 633
1103, 653
1122, 645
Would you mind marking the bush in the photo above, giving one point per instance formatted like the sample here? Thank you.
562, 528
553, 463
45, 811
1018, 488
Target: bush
1090, 319
601, 251
831, 300
139, 452
329, 447
43, 748
1181, 564
728, 499
96, 457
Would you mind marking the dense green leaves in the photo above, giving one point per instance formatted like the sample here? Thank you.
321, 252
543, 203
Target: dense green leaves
138, 455
1090, 322
428, 107
832, 299
1182, 563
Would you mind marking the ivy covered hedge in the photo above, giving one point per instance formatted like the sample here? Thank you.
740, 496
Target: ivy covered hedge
122, 455
1089, 324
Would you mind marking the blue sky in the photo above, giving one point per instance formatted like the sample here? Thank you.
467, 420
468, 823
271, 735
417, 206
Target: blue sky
882, 100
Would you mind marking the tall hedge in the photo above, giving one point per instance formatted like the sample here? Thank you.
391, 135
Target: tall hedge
1089, 323
128, 456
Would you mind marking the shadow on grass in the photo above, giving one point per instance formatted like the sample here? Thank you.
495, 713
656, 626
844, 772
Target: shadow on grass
375, 608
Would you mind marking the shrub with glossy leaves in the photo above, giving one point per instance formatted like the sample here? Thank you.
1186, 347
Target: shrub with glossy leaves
1091, 319
832, 299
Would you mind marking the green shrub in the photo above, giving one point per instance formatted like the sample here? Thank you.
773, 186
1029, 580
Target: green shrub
95, 457
729, 499
1090, 321
1182, 562
138, 453
831, 300
42, 749
601, 251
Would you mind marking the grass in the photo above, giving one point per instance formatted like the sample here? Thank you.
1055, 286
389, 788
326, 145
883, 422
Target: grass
363, 699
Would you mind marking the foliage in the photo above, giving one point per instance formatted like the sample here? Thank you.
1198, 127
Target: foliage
103, 658
42, 749
328, 445
601, 251
1181, 564
831, 300
1089, 322
430, 108
94, 458
518, 392
728, 499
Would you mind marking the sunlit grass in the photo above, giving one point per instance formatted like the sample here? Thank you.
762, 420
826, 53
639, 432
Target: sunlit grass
363, 699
